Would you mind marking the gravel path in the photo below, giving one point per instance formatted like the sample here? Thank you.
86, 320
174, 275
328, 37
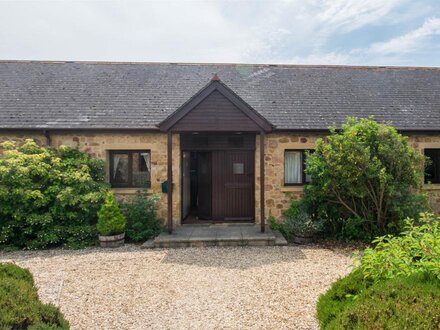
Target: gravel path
193, 288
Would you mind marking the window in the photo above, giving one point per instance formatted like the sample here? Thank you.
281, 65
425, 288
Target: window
294, 165
130, 168
238, 168
432, 172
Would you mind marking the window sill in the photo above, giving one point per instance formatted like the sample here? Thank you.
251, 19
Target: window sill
127, 190
292, 188
431, 186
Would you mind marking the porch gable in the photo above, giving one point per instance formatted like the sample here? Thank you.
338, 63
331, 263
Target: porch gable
215, 108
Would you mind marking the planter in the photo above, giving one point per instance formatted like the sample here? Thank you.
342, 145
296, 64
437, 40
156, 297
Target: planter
112, 241
302, 240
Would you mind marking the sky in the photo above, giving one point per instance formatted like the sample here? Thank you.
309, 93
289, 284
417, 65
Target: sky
351, 32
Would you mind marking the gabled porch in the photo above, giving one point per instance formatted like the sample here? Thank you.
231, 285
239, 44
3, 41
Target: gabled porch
218, 147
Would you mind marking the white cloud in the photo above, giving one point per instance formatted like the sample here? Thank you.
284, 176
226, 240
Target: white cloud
287, 31
349, 15
132, 30
302, 30
409, 42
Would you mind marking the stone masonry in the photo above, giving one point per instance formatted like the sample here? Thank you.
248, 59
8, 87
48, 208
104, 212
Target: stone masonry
277, 195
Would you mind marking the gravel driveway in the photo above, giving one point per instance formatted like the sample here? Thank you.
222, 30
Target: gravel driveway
192, 288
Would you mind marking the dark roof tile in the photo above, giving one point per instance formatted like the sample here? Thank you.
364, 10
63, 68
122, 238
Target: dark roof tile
60, 95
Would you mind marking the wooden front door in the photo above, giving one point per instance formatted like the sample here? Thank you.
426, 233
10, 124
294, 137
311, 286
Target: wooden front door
204, 185
233, 185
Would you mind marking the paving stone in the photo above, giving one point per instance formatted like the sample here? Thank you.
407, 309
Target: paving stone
148, 244
216, 234
280, 240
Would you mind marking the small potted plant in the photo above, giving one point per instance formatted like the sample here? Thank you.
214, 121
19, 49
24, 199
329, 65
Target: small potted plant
111, 223
299, 224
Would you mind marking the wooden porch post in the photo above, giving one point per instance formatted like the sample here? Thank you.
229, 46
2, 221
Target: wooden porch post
262, 201
170, 182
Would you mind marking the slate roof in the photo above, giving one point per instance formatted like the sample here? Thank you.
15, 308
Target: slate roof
99, 95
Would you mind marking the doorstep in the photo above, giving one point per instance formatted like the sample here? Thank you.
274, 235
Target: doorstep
217, 235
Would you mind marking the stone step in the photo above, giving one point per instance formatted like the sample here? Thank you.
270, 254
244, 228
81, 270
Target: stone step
215, 235
279, 239
211, 242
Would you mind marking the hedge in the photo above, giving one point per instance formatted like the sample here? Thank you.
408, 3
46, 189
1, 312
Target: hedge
19, 304
403, 302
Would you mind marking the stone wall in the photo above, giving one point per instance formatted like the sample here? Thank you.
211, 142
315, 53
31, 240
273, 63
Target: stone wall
99, 145
421, 142
20, 137
277, 195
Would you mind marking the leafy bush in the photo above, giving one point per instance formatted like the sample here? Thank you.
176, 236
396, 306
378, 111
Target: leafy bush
19, 304
299, 221
111, 221
275, 225
142, 223
367, 171
415, 250
352, 229
395, 286
400, 303
48, 196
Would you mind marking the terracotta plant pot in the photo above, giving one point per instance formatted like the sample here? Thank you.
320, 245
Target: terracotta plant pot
112, 241
302, 240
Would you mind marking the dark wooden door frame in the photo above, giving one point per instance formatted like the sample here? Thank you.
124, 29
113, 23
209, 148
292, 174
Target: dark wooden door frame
204, 182
170, 182
249, 145
262, 200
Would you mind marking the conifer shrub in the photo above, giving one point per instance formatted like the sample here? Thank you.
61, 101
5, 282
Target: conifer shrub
111, 221
19, 303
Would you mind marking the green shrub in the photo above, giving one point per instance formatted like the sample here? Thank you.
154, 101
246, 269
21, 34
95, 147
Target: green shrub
299, 221
8, 270
366, 171
400, 303
48, 197
395, 286
353, 229
275, 225
341, 294
140, 212
111, 221
415, 250
19, 304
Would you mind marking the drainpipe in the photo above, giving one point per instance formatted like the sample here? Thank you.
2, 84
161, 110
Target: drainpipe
48, 139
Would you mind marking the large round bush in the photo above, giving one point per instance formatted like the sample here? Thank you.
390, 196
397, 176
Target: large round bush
365, 179
49, 196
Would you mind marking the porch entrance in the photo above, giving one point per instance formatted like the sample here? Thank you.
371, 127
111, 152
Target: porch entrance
218, 185
217, 128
